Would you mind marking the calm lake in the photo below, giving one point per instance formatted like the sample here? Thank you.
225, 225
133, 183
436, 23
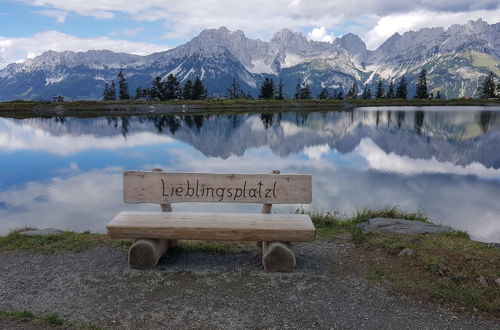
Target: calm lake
443, 161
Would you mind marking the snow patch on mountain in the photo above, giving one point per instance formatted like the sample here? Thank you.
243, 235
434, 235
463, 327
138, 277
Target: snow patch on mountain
456, 60
54, 80
292, 60
260, 66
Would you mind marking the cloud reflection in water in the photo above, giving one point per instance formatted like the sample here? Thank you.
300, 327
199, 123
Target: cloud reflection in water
445, 164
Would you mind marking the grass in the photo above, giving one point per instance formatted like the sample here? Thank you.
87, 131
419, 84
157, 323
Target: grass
52, 320
331, 224
75, 242
67, 241
443, 267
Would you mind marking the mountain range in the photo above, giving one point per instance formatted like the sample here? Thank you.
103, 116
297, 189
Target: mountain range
456, 59
461, 139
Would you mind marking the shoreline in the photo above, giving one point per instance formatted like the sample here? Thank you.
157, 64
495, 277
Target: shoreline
445, 268
27, 109
335, 279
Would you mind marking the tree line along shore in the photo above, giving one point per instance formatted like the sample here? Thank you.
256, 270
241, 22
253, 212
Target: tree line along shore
171, 89
168, 96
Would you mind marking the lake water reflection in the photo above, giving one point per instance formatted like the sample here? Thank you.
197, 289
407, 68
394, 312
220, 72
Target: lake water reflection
66, 172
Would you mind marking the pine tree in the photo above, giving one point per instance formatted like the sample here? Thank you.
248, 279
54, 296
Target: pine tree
402, 89
380, 89
139, 93
340, 95
335, 94
267, 89
353, 92
146, 92
156, 88
280, 95
297, 89
109, 93
324, 94
105, 94
487, 88
123, 87
302, 91
172, 88
421, 86
199, 91
367, 93
305, 92
390, 90
112, 91
234, 91
187, 91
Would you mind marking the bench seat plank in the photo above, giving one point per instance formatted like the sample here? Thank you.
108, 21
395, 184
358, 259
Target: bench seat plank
213, 226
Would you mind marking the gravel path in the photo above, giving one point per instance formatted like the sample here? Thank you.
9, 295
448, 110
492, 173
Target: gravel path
209, 291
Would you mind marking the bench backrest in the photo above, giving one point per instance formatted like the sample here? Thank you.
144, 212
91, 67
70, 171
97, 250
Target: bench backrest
162, 188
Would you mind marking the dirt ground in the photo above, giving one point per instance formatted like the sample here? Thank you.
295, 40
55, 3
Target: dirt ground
194, 290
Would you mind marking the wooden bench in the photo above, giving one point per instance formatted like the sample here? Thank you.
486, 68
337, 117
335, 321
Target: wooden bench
157, 231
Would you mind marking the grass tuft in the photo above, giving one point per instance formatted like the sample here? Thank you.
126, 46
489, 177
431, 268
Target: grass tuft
52, 319
333, 223
66, 241
445, 266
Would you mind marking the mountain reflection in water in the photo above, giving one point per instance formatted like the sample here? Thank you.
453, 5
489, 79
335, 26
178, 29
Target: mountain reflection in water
65, 172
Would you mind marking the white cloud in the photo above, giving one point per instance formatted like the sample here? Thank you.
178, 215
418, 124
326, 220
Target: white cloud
259, 18
390, 162
18, 49
320, 34
59, 15
15, 135
376, 20
415, 20
82, 202
316, 152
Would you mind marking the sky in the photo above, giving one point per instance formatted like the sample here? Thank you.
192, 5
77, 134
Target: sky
30, 27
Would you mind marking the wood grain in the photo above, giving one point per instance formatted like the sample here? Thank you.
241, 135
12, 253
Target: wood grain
278, 257
213, 226
145, 252
163, 188
266, 208
166, 208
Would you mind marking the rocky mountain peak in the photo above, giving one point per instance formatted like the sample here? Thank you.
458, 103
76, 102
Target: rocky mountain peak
354, 46
479, 24
219, 55
286, 36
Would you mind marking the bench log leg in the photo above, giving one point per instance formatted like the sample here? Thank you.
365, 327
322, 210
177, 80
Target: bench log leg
277, 257
145, 252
